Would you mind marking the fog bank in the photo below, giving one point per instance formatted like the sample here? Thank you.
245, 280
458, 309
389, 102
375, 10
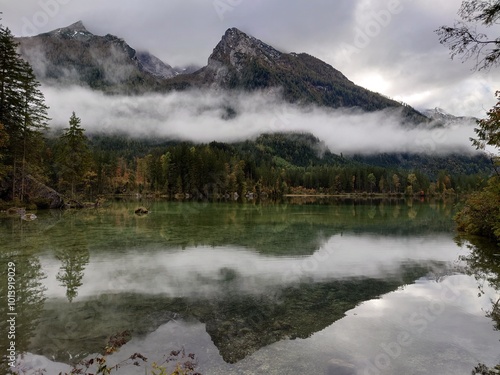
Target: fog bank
205, 116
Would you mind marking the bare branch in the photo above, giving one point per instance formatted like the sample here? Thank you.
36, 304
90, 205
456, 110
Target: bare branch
466, 42
486, 12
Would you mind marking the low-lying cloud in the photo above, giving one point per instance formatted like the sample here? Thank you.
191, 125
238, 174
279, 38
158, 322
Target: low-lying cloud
205, 116
164, 272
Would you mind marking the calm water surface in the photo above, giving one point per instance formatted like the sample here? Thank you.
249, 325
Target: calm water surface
376, 287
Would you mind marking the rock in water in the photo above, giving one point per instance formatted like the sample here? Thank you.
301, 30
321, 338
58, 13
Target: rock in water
28, 217
141, 211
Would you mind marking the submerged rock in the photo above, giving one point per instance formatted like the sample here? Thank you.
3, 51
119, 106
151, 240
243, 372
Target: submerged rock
28, 217
141, 211
21, 212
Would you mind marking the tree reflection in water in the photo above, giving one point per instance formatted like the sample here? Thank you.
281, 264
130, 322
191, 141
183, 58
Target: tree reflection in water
73, 254
29, 290
483, 263
74, 257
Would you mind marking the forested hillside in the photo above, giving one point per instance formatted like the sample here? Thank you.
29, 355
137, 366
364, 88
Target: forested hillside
273, 165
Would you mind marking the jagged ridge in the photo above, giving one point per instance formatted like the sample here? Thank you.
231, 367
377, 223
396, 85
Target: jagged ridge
239, 61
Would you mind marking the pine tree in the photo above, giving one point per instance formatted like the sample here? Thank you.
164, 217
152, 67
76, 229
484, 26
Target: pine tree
10, 67
33, 121
73, 156
22, 111
372, 181
4, 140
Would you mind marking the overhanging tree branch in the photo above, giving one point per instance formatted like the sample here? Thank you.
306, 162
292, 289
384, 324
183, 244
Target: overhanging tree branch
464, 40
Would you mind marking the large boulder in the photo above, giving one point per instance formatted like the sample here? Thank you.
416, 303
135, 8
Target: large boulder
40, 194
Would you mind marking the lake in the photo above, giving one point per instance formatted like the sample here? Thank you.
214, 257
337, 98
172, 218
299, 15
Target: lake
298, 287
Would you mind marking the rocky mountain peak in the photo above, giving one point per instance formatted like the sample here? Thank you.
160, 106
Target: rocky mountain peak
236, 46
76, 30
74, 55
441, 117
77, 26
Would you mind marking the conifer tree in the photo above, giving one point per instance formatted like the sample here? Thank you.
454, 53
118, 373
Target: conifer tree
4, 140
34, 119
22, 111
10, 67
73, 155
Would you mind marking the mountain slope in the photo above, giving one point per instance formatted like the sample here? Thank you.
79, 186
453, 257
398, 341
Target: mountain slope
153, 65
73, 55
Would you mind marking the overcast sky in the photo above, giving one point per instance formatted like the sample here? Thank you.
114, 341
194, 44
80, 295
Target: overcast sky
388, 46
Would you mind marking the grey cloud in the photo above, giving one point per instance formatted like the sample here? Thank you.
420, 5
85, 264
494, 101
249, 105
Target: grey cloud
257, 274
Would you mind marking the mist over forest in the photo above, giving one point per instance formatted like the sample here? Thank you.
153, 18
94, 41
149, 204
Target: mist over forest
203, 116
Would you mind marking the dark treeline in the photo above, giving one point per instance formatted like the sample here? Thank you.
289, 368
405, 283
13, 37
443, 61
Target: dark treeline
122, 165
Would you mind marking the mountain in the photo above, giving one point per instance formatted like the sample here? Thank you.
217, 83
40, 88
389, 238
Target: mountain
73, 55
153, 65
240, 61
443, 117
